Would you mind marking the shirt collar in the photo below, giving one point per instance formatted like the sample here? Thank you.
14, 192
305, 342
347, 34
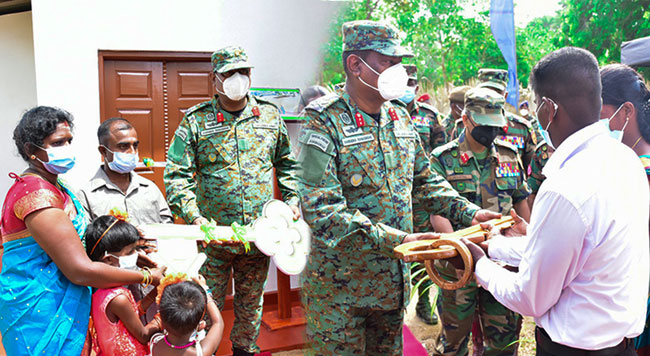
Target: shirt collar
101, 180
466, 150
250, 110
384, 118
571, 146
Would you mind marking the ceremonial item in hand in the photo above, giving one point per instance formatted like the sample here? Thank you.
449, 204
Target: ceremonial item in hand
449, 246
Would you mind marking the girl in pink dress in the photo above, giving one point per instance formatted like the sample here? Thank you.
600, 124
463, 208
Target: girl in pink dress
118, 330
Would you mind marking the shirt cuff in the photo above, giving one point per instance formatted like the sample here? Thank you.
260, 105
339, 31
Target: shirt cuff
484, 270
468, 214
500, 249
391, 236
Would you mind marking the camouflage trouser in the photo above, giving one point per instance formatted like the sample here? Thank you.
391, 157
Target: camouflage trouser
499, 324
249, 273
344, 330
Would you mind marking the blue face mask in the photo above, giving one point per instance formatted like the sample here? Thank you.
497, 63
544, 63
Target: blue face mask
122, 162
615, 134
60, 159
408, 96
545, 135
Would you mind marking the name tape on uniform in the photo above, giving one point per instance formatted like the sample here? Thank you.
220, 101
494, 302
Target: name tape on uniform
265, 126
319, 141
405, 134
351, 130
215, 130
355, 140
459, 177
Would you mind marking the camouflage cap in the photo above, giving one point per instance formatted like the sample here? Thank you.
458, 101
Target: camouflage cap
229, 58
371, 35
485, 106
411, 71
493, 78
458, 93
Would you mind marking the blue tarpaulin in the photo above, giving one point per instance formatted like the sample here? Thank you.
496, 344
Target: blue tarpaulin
502, 23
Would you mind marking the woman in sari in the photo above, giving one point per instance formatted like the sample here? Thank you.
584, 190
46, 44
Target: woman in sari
626, 106
46, 275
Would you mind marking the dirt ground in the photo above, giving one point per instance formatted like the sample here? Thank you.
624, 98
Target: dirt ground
427, 334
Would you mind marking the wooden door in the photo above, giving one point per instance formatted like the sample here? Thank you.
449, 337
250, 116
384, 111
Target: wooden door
154, 95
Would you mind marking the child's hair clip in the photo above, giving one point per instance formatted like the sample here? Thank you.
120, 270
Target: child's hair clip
119, 214
168, 280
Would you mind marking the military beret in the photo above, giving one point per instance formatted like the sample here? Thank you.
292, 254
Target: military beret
485, 106
372, 35
229, 58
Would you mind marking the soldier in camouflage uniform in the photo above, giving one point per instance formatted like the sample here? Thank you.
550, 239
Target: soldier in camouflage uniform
535, 177
220, 166
453, 121
425, 117
361, 161
518, 130
489, 173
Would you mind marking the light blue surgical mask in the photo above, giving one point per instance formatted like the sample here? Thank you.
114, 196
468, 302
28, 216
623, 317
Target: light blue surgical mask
122, 162
615, 134
408, 96
544, 132
59, 159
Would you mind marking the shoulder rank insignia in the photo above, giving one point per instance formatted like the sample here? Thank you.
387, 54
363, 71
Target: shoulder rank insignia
219, 117
359, 119
256, 111
393, 114
464, 157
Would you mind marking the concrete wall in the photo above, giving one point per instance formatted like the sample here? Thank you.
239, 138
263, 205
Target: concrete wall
282, 37
17, 88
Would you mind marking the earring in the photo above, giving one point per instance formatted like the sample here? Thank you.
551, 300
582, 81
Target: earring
33, 157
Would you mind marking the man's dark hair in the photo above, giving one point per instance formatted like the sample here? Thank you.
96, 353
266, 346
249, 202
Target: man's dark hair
363, 54
104, 129
182, 305
118, 237
37, 124
570, 77
621, 83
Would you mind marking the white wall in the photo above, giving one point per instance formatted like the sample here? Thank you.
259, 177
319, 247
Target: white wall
283, 39
17, 88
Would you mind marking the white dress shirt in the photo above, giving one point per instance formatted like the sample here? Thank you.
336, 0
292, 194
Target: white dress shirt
583, 267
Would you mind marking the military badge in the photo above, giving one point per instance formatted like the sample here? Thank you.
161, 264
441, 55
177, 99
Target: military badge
345, 118
359, 120
356, 179
507, 170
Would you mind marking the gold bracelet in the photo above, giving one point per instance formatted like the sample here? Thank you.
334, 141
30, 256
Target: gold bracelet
146, 275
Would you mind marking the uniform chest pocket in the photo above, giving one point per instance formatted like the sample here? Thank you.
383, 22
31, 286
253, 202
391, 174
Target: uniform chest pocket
356, 167
506, 183
214, 153
463, 183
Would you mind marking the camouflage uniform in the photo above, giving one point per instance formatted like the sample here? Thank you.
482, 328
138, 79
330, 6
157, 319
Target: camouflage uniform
519, 131
495, 183
357, 177
535, 177
220, 166
454, 127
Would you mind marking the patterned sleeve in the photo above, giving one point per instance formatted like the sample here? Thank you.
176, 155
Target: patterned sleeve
36, 194
179, 173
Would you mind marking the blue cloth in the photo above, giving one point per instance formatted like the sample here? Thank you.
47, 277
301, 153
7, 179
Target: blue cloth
41, 311
643, 340
502, 23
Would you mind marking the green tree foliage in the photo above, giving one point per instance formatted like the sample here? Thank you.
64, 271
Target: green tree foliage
450, 46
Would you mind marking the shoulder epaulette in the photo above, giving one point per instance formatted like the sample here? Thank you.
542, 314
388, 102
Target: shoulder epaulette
506, 144
323, 102
516, 118
197, 107
438, 151
429, 107
264, 101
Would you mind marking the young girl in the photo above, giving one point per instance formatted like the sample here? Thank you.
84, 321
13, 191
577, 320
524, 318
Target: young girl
115, 315
183, 304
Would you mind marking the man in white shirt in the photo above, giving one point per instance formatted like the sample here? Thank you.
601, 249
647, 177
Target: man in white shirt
583, 262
